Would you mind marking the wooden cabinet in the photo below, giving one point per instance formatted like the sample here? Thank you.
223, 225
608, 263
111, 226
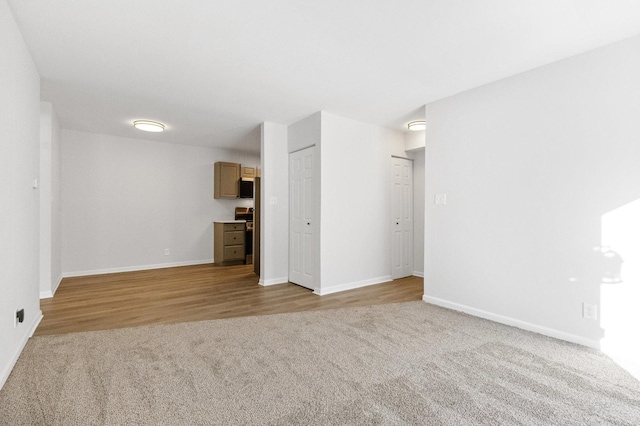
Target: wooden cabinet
247, 172
257, 212
226, 180
228, 243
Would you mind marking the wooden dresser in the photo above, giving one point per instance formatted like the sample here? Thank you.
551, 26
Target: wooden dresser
228, 242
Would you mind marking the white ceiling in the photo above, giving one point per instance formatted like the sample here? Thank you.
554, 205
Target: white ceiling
212, 71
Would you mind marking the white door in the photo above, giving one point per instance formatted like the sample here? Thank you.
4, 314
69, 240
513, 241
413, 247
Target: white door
301, 218
402, 218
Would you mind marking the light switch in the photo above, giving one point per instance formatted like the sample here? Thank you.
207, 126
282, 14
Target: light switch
35, 183
441, 199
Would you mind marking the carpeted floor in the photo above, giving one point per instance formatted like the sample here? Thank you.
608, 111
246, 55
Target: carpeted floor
406, 363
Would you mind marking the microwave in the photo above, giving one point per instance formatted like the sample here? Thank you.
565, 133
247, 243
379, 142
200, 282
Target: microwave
246, 188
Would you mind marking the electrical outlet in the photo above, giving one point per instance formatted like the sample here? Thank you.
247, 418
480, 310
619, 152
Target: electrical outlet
18, 317
589, 311
166, 252
440, 199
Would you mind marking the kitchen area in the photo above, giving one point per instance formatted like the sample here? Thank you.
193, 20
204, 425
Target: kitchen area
236, 240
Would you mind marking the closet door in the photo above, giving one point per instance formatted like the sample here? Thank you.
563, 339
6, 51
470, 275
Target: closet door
402, 218
302, 256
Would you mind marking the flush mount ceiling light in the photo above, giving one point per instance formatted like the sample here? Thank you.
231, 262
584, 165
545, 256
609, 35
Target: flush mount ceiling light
148, 126
417, 125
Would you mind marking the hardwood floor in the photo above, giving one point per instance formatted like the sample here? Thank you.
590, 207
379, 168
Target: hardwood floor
194, 293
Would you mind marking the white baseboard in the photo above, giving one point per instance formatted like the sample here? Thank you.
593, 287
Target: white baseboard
47, 294
32, 329
273, 281
134, 268
418, 274
351, 286
513, 322
35, 324
55, 287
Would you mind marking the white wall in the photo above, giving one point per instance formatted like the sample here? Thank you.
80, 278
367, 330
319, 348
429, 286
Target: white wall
355, 202
124, 201
414, 140
304, 133
274, 249
49, 186
19, 206
353, 230
530, 165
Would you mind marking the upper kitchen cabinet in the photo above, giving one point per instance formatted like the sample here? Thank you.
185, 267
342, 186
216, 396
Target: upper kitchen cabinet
226, 178
247, 172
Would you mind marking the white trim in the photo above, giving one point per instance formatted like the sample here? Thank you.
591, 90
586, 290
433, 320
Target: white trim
55, 287
12, 362
418, 274
513, 322
273, 281
47, 294
351, 286
36, 323
134, 268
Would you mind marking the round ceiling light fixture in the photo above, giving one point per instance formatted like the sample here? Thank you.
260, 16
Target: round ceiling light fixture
148, 126
417, 125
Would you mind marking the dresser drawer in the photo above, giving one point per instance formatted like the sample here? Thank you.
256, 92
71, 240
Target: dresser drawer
234, 252
234, 226
233, 238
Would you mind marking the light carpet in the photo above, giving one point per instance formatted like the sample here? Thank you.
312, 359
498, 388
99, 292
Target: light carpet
405, 363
